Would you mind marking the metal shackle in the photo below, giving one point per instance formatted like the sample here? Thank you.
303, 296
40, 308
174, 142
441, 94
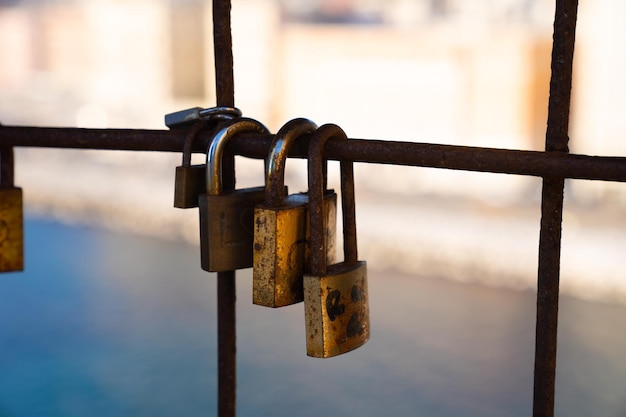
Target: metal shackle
192, 134
220, 113
316, 198
277, 157
216, 148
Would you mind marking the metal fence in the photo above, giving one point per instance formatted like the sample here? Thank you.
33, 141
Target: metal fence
553, 165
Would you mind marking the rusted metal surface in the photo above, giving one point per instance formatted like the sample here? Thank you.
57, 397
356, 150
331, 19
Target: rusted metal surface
505, 161
7, 166
226, 289
223, 53
548, 297
226, 344
552, 210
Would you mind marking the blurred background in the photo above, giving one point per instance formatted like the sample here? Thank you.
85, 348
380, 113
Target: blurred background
113, 314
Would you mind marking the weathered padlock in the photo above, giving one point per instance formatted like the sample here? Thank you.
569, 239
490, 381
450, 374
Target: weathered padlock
281, 253
190, 181
336, 301
227, 217
11, 216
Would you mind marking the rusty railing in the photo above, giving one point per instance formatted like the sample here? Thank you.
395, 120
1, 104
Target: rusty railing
553, 166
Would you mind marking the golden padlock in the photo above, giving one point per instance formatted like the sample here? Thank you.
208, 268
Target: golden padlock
336, 302
281, 252
11, 216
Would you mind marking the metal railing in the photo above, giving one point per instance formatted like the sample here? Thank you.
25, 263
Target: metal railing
553, 166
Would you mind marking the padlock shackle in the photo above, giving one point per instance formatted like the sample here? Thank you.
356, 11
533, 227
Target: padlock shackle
192, 134
7, 171
214, 153
277, 158
205, 116
316, 201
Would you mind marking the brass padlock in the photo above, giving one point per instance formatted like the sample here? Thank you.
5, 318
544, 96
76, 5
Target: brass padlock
227, 217
190, 180
336, 302
11, 216
281, 253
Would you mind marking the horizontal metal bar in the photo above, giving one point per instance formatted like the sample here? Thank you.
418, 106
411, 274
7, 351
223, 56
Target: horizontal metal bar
534, 163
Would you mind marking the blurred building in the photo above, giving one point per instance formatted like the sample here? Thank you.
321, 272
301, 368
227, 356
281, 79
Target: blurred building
447, 71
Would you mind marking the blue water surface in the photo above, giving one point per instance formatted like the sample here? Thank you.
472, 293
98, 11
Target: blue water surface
106, 324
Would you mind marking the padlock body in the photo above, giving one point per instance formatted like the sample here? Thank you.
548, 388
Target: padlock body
226, 228
336, 310
11, 230
281, 250
190, 182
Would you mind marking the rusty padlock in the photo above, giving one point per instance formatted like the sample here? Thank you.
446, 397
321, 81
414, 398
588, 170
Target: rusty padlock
190, 181
336, 302
227, 217
11, 216
281, 253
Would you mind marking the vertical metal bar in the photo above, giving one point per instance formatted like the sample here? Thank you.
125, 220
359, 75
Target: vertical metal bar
223, 53
227, 344
552, 210
7, 170
226, 288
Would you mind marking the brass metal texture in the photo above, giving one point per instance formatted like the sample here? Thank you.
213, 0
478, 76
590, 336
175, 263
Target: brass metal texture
188, 184
281, 249
279, 253
337, 313
227, 217
336, 301
11, 230
227, 228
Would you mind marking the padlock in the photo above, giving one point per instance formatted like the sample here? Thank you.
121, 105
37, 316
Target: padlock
11, 216
227, 217
336, 300
190, 179
281, 250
